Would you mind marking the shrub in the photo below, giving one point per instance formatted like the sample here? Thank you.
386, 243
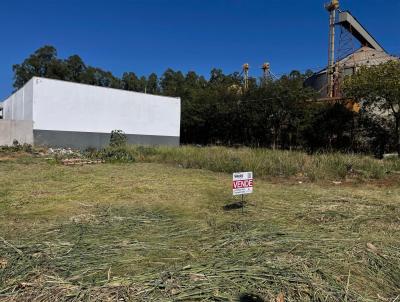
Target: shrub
117, 154
27, 148
118, 138
17, 147
92, 152
146, 150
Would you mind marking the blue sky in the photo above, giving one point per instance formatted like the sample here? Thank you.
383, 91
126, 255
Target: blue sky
147, 36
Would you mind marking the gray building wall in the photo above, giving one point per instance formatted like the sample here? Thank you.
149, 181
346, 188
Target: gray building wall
84, 140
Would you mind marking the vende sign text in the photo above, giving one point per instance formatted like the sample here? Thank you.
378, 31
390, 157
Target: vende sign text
242, 183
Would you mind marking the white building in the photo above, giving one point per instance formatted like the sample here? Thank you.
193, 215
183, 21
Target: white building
65, 114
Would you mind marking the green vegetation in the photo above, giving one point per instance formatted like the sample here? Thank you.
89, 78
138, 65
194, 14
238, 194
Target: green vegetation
379, 89
157, 232
16, 147
263, 162
118, 138
276, 113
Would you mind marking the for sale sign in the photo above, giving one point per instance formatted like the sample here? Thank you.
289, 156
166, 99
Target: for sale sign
242, 183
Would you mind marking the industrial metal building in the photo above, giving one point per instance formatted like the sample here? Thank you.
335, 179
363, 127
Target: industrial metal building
369, 54
364, 56
63, 114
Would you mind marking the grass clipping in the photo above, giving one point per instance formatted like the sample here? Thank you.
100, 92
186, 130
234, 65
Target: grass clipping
119, 255
95, 233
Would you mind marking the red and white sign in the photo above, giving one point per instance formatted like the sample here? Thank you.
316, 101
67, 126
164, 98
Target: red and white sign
242, 183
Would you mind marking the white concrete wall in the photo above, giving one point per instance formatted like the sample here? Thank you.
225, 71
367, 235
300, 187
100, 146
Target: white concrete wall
11, 130
65, 106
19, 105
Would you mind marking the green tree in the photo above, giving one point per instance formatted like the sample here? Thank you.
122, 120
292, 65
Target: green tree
377, 88
172, 82
98, 77
278, 110
43, 63
152, 84
329, 128
142, 84
130, 81
76, 67
218, 109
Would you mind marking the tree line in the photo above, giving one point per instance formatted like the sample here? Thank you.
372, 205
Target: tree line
277, 113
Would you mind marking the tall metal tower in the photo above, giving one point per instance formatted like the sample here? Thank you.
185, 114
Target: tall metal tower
246, 68
266, 67
332, 8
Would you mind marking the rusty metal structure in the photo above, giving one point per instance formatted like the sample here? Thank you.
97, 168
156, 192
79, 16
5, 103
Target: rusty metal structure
343, 57
245, 70
266, 68
267, 73
332, 9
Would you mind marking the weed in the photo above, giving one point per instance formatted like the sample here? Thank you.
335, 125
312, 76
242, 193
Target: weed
266, 163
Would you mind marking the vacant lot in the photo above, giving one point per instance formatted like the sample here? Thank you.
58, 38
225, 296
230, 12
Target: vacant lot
157, 232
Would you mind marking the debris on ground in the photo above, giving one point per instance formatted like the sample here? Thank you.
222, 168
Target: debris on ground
80, 162
3, 263
64, 152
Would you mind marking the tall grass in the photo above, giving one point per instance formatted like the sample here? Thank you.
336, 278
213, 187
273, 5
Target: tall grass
266, 162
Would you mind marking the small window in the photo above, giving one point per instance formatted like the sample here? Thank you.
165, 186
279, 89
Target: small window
1, 113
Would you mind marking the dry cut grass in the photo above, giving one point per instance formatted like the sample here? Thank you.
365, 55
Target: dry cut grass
156, 232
